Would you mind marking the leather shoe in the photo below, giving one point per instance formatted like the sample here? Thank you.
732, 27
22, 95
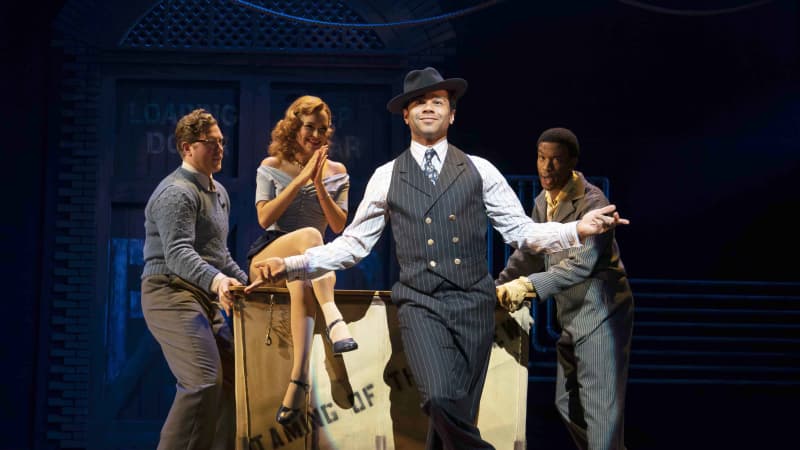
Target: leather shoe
286, 414
342, 345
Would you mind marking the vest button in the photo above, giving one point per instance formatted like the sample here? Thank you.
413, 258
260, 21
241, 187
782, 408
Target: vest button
455, 239
428, 220
432, 263
430, 241
452, 217
457, 261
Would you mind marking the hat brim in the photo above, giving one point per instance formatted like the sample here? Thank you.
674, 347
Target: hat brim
455, 85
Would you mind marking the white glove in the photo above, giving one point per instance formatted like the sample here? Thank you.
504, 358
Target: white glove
523, 316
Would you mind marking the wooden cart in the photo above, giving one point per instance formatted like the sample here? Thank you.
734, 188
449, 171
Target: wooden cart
365, 399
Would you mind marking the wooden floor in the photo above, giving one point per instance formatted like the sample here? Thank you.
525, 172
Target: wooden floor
714, 365
686, 417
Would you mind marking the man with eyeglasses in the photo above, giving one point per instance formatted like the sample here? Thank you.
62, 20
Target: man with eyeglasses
187, 269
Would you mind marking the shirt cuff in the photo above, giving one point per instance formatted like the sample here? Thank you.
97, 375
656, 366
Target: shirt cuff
296, 267
215, 282
530, 286
569, 235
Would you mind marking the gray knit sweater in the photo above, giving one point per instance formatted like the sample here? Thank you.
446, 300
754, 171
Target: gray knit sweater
186, 229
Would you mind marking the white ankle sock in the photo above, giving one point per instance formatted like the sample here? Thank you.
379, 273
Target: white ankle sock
330, 312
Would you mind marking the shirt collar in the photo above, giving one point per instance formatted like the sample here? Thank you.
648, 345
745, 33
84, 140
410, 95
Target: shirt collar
564, 193
204, 181
418, 151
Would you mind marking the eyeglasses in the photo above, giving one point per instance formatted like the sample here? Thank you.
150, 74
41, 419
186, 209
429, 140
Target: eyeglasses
214, 142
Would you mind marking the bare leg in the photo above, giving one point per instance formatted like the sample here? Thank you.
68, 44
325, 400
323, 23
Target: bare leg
289, 244
302, 326
302, 306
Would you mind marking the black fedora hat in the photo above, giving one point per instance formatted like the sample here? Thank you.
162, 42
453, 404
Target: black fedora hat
418, 82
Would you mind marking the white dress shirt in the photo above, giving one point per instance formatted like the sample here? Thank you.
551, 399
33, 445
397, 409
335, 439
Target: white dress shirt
418, 152
502, 208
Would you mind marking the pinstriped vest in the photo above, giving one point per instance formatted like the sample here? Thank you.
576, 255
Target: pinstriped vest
439, 230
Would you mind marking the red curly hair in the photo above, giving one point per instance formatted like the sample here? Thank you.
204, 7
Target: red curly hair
284, 136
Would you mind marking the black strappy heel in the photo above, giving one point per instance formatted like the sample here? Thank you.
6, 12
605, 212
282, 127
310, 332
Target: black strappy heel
342, 345
285, 414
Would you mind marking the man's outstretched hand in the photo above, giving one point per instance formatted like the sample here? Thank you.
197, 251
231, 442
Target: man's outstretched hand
270, 270
599, 221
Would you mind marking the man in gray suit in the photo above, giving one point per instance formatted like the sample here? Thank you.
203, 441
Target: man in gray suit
438, 199
593, 300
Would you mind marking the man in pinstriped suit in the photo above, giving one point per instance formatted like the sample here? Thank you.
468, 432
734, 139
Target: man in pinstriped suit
438, 199
593, 299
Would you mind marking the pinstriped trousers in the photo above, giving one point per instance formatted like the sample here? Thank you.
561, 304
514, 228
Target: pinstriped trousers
447, 337
591, 379
196, 343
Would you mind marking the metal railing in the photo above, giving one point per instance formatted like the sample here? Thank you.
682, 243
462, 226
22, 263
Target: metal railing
699, 332
685, 331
